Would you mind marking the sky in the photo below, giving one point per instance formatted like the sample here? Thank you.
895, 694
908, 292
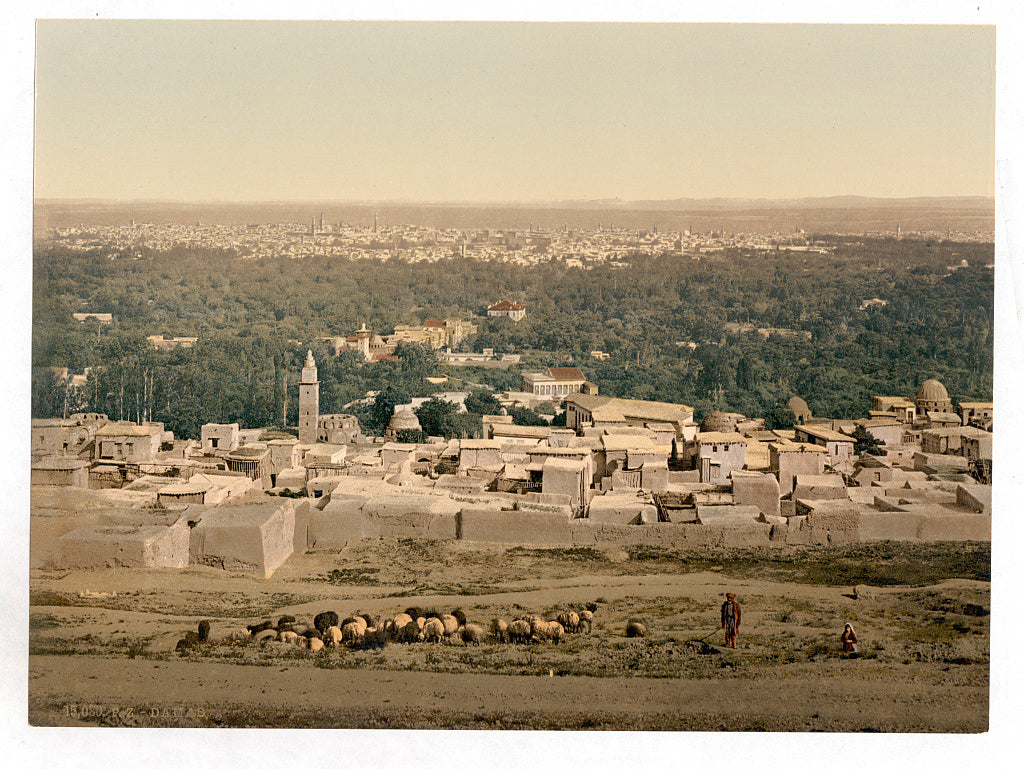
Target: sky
492, 111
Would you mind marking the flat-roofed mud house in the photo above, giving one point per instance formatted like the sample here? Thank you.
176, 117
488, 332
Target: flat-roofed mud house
128, 442
978, 413
218, 437
718, 454
65, 437
838, 446
789, 459
897, 407
583, 410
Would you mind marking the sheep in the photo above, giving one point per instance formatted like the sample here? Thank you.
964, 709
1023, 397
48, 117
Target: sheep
546, 631
324, 620
300, 628
519, 631
375, 637
315, 644
231, 635
302, 642
420, 622
403, 619
635, 629
460, 616
352, 633
499, 629
357, 620
332, 636
260, 627
433, 630
289, 637
410, 633
204, 630
472, 634
586, 621
570, 620
285, 619
190, 640
451, 625
265, 635
313, 633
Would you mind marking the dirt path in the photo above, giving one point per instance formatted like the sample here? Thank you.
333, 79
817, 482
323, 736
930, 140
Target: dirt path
211, 693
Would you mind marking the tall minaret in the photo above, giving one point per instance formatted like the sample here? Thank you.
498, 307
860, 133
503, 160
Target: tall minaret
309, 401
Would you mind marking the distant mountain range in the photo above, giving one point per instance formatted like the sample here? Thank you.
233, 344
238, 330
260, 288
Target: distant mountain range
675, 204
835, 201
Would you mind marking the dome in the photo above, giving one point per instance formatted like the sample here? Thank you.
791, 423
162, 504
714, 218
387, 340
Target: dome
717, 422
797, 405
931, 390
403, 419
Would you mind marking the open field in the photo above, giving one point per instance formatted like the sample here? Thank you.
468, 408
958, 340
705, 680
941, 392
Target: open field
102, 642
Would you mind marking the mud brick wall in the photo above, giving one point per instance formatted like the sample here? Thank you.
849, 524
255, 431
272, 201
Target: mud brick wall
762, 491
333, 526
883, 525
827, 527
670, 535
241, 540
514, 526
956, 527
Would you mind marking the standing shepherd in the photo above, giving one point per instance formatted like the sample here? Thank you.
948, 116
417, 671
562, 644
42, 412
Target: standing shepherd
849, 639
730, 620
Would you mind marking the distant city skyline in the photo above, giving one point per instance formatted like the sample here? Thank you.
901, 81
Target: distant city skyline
485, 112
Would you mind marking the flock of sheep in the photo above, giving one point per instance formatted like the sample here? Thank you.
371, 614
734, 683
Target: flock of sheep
414, 625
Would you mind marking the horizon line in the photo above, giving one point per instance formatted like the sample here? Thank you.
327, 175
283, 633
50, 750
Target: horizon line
496, 202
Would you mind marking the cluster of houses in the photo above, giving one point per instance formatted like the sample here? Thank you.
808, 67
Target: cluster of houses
436, 334
620, 471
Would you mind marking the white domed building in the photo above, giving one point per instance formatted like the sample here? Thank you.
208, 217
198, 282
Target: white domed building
718, 422
403, 419
932, 396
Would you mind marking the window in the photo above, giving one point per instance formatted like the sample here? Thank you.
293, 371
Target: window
213, 442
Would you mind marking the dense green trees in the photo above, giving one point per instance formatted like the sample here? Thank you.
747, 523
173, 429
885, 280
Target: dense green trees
441, 417
482, 402
663, 319
866, 443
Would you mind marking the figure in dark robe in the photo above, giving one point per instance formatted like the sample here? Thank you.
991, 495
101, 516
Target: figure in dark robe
730, 620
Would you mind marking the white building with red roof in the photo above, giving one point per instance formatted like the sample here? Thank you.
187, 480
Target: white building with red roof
507, 309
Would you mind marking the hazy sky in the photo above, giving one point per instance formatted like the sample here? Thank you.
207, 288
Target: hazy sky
510, 111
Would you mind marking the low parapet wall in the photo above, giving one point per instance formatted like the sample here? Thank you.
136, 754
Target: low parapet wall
954, 527
669, 535
514, 527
